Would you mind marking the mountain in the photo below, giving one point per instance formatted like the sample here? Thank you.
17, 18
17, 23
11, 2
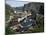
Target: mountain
19, 9
34, 6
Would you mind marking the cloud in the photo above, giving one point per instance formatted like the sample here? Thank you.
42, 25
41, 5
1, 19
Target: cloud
21, 0
16, 3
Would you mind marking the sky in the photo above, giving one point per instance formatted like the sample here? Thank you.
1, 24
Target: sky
16, 3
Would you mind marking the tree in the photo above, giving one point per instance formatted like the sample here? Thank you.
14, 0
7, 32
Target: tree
41, 10
8, 11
